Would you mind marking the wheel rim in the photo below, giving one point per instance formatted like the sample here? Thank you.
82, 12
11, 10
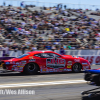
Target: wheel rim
31, 67
76, 68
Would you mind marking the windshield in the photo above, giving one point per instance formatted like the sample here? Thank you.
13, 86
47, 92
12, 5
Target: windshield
22, 55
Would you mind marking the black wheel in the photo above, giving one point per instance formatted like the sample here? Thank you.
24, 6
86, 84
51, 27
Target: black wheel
76, 68
31, 68
91, 95
87, 76
82, 93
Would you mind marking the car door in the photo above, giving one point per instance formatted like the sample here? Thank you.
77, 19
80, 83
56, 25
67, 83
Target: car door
52, 62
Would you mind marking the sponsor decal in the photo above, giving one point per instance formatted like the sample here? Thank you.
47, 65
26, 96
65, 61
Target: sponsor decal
69, 62
65, 69
20, 68
85, 67
77, 60
47, 70
31, 57
15, 69
84, 63
51, 70
61, 69
32, 60
23, 63
12, 62
41, 69
69, 69
55, 70
68, 66
17, 63
55, 62
12, 68
7, 63
44, 70
14, 65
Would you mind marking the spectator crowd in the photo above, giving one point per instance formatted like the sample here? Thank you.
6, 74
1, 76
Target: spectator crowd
48, 28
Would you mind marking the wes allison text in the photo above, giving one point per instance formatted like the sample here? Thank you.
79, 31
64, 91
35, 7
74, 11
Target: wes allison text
16, 92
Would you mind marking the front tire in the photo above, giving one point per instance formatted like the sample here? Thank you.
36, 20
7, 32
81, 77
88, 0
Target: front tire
31, 68
76, 68
87, 77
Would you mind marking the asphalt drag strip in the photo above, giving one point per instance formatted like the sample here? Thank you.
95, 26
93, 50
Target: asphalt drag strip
41, 83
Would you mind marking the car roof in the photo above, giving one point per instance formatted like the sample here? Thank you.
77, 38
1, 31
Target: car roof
36, 52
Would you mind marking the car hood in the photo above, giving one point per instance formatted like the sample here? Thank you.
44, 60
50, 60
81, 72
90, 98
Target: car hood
72, 56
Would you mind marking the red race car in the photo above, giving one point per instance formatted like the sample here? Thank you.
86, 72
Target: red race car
45, 62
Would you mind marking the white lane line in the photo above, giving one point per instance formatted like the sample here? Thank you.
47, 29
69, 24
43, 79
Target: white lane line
41, 83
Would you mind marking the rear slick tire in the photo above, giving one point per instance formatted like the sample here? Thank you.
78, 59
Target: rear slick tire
31, 69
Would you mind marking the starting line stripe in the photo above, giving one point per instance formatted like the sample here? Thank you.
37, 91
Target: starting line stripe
41, 83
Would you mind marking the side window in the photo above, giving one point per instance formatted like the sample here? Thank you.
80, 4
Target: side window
49, 55
45, 55
55, 55
37, 55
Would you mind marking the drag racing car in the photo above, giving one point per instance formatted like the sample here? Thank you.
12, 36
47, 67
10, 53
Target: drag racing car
45, 62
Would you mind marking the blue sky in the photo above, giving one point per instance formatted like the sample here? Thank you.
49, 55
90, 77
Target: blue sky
89, 2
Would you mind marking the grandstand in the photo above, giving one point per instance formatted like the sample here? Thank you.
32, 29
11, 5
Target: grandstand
31, 27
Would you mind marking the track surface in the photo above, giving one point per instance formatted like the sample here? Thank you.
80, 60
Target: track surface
50, 92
